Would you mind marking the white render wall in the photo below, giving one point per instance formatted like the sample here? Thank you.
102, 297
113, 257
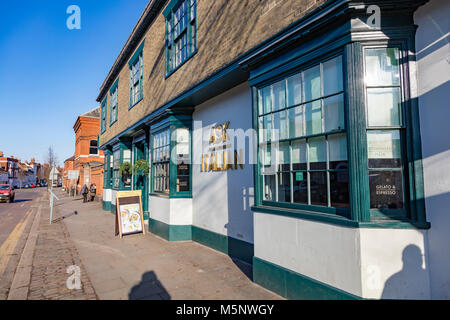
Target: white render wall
176, 212
222, 200
394, 264
107, 194
113, 197
323, 252
364, 262
433, 75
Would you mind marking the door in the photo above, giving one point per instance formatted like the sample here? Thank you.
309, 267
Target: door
140, 179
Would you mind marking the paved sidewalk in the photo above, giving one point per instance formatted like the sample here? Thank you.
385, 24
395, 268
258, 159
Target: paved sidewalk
149, 268
42, 271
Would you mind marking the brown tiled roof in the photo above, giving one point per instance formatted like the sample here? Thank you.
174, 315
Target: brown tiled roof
94, 113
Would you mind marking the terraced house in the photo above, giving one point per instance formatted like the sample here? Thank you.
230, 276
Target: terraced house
302, 136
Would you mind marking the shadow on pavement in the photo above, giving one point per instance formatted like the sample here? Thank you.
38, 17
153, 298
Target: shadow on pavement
246, 268
65, 217
150, 288
22, 200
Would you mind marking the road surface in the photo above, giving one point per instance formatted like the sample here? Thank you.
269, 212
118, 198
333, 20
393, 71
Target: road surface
15, 223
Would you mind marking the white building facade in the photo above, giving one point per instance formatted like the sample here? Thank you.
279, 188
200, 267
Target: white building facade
321, 157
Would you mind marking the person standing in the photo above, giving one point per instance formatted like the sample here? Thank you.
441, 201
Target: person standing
84, 192
93, 191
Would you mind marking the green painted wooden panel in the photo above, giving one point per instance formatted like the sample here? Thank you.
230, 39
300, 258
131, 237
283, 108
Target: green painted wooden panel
295, 286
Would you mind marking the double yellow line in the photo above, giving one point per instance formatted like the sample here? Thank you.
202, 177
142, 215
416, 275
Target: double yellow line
7, 248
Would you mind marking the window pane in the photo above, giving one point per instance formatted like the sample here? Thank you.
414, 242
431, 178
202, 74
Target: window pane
260, 102
338, 152
334, 113
267, 158
384, 149
317, 154
126, 155
384, 107
312, 83
266, 99
339, 189
280, 125
296, 125
183, 169
265, 128
183, 184
332, 76
279, 95
386, 189
284, 187
313, 117
299, 155
294, 90
382, 67
318, 187
283, 157
269, 187
300, 187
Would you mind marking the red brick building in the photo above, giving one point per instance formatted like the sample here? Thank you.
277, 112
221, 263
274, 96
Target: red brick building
88, 160
10, 166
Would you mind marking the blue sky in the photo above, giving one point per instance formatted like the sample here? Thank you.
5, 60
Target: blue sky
50, 74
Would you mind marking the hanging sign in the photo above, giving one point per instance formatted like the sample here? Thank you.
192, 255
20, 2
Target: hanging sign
129, 215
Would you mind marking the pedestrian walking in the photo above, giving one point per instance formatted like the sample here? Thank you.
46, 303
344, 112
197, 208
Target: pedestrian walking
84, 192
93, 191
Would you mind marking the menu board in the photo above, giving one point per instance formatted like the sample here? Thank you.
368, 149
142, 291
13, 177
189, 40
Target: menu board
129, 216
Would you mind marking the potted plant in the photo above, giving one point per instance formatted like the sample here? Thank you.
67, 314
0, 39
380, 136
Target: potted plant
125, 171
141, 167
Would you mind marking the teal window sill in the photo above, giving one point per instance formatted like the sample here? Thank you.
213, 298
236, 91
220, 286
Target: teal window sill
122, 189
137, 102
168, 196
159, 195
169, 73
112, 123
341, 221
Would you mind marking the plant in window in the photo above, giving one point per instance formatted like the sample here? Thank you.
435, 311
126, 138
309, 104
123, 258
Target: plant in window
126, 172
141, 167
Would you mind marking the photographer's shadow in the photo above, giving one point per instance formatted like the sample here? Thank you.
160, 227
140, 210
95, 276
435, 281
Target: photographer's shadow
401, 284
150, 288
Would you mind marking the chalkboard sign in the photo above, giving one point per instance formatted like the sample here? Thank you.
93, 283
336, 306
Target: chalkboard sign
129, 215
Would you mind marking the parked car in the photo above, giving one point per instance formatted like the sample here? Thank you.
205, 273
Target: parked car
7, 193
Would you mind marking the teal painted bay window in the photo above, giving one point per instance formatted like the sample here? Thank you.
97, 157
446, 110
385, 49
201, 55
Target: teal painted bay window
171, 154
108, 166
121, 154
302, 140
116, 169
338, 139
385, 131
181, 33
